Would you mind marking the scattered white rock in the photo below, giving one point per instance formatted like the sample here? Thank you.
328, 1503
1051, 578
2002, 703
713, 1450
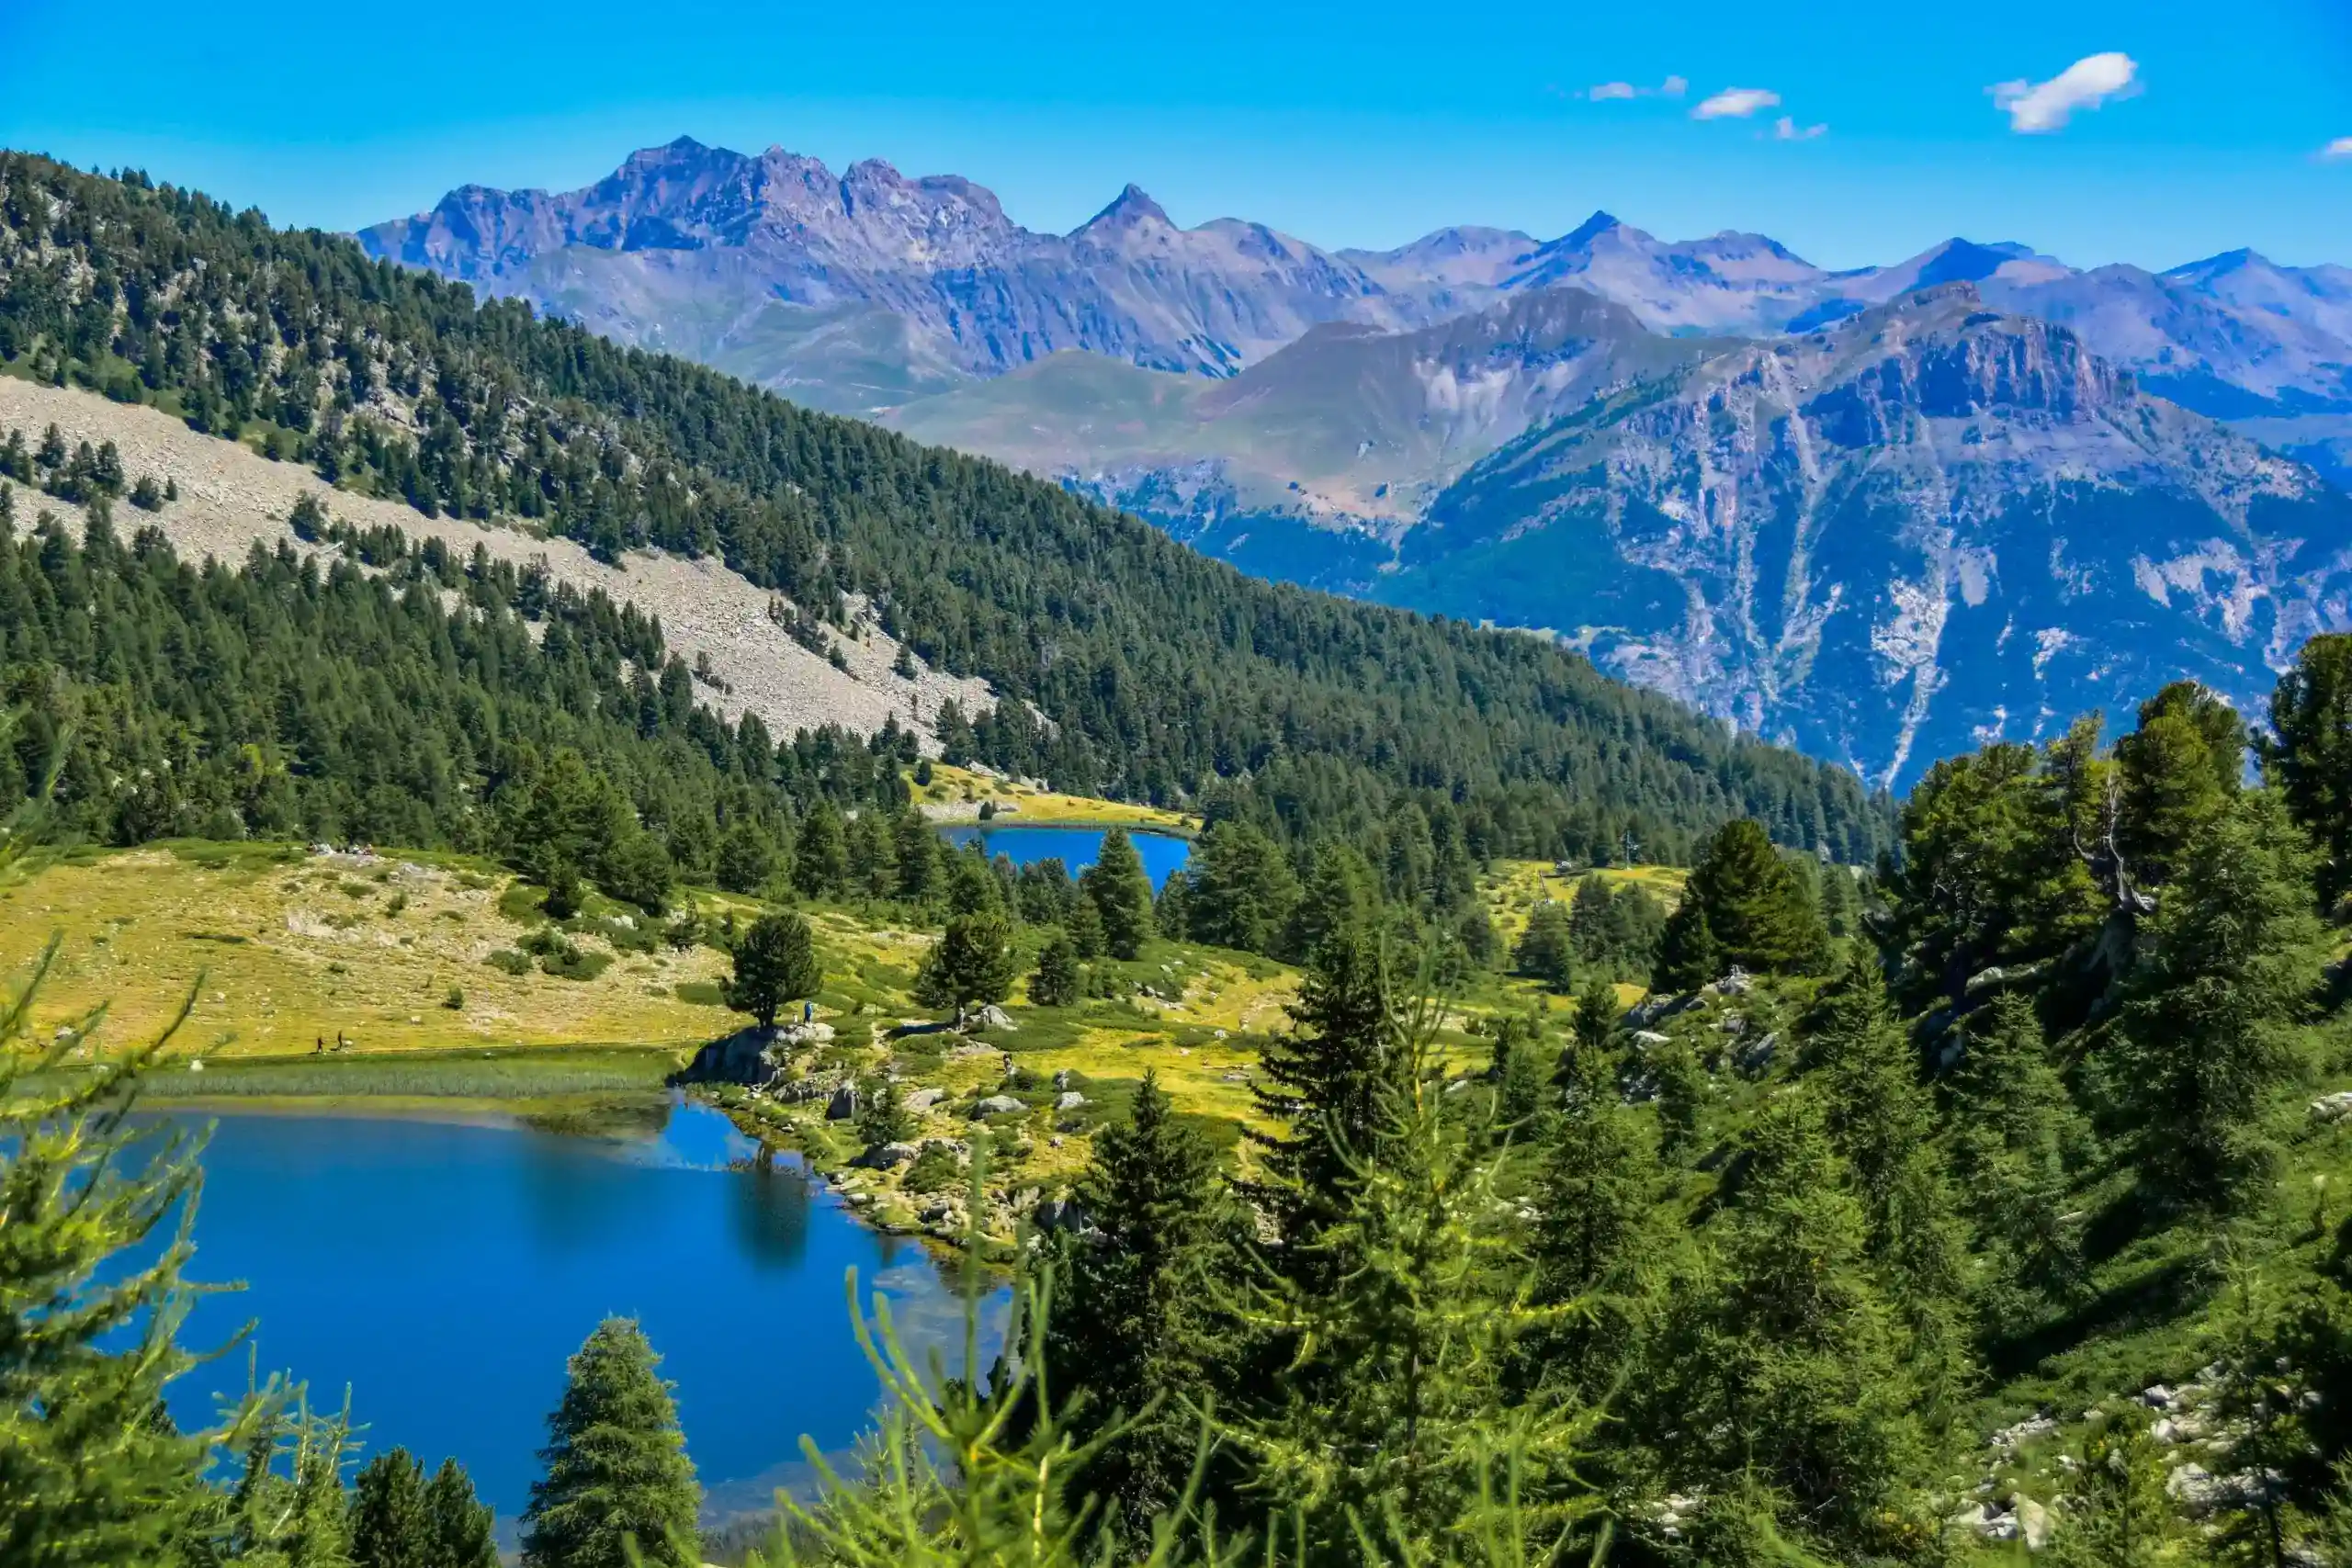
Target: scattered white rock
999, 1105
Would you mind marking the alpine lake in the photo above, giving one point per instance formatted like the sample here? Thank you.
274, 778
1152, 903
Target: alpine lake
438, 1265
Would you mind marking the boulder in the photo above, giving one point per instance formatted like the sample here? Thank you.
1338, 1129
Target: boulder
797, 1036
2333, 1106
990, 1016
1650, 1039
2033, 1524
999, 1105
883, 1156
843, 1104
737, 1058
1061, 1214
1069, 1100
923, 1099
1755, 1056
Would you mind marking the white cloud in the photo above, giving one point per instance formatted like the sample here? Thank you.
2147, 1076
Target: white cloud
1675, 86
2338, 151
1736, 103
2037, 107
1786, 130
1608, 90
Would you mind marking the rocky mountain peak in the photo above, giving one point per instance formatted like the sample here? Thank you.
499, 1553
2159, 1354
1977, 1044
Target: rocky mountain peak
1129, 209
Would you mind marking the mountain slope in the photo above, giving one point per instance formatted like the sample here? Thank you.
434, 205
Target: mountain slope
1929, 527
1346, 428
1123, 663
743, 261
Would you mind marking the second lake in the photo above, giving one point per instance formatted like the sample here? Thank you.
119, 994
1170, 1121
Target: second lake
1077, 848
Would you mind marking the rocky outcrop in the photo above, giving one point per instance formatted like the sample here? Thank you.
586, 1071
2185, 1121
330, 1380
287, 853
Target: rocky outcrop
1927, 527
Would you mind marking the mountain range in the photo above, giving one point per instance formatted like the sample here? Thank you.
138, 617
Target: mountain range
1881, 513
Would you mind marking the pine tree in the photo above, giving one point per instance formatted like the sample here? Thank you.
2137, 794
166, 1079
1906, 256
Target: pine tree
2205, 1039
1338, 895
747, 858
973, 961
1800, 1378
1688, 955
882, 1116
2013, 1137
1543, 951
776, 963
1597, 1236
464, 1534
1242, 889
1594, 1028
1055, 982
819, 856
2178, 770
1120, 893
1882, 1121
2309, 762
616, 1465
1744, 902
391, 1520
2119, 1515
1086, 929
1128, 1324
1322, 1081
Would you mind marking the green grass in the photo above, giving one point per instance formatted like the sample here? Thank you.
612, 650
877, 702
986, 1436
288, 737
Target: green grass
423, 1074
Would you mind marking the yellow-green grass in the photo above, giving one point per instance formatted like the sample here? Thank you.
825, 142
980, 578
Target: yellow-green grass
294, 949
957, 794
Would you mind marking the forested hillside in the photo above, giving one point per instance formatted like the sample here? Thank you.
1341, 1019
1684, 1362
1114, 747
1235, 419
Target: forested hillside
1125, 665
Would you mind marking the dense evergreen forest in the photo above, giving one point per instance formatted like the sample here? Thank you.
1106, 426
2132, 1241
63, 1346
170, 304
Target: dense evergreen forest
1159, 675
2016, 1138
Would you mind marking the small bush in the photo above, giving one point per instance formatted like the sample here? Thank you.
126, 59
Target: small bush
511, 960
456, 1000
570, 963
936, 1170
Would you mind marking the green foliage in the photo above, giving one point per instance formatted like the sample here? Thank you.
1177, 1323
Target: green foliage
1599, 1236
883, 1117
2015, 1140
1545, 951
2119, 1517
973, 961
1240, 889
1055, 981
2203, 1039
1115, 884
776, 963
1131, 1328
2309, 758
392, 1517
1407, 1317
338, 704
617, 1480
1743, 906
1323, 1082
1616, 932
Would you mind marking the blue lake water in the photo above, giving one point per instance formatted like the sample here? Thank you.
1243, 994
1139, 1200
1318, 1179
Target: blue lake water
445, 1271
1077, 848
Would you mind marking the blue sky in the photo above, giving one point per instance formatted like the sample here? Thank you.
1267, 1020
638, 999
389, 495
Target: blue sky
1367, 125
